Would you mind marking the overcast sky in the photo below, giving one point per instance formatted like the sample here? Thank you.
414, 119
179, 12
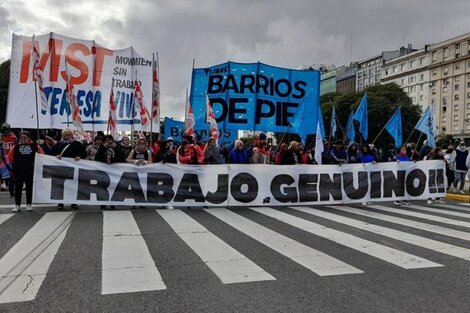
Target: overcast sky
282, 33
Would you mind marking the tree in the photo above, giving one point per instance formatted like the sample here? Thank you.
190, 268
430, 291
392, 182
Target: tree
4, 80
383, 100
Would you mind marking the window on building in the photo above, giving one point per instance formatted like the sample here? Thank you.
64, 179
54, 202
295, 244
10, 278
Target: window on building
444, 129
444, 119
433, 101
446, 53
457, 78
456, 128
468, 106
403, 82
457, 66
446, 70
413, 99
421, 98
444, 89
434, 73
456, 107
456, 118
456, 97
467, 126
468, 116
468, 84
421, 87
421, 77
394, 69
456, 87
434, 57
468, 95
444, 100
433, 91
402, 67
411, 79
444, 109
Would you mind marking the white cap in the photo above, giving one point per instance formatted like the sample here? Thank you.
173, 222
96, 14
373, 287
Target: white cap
169, 139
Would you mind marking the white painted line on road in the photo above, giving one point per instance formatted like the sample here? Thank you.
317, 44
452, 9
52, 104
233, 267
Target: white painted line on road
316, 261
459, 207
10, 206
227, 263
442, 211
388, 254
411, 223
4, 217
127, 263
24, 267
431, 244
421, 215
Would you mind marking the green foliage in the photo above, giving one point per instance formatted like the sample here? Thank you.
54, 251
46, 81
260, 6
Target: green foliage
4, 80
383, 100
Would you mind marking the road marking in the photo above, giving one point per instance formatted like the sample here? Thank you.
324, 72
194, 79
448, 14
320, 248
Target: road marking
24, 267
227, 263
316, 261
4, 217
421, 215
454, 207
388, 254
127, 263
431, 244
434, 210
402, 221
10, 206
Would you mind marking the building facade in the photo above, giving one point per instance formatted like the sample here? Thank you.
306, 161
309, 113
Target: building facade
346, 78
328, 82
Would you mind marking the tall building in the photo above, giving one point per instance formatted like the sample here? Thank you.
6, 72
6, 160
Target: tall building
328, 81
369, 70
346, 78
450, 86
411, 72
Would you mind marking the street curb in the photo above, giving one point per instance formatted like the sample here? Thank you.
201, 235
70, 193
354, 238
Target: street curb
456, 197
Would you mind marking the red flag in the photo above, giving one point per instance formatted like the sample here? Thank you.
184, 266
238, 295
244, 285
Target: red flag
38, 77
72, 100
188, 118
155, 96
211, 120
112, 113
140, 106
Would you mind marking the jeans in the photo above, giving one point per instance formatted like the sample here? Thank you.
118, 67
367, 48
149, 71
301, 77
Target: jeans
459, 177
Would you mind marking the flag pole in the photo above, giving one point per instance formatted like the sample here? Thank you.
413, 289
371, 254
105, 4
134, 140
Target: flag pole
133, 110
67, 86
153, 96
109, 126
36, 98
94, 99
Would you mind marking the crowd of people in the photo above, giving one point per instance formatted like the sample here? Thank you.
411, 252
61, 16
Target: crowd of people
17, 156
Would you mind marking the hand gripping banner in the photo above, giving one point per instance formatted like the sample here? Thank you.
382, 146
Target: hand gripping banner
92, 183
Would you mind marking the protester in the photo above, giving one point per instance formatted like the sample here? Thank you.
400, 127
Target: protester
48, 145
140, 155
167, 153
353, 153
9, 140
5, 168
259, 154
367, 156
437, 154
21, 157
280, 153
338, 154
449, 157
92, 149
126, 146
212, 153
224, 151
292, 155
238, 155
189, 152
402, 157
68, 147
109, 152
460, 156
425, 149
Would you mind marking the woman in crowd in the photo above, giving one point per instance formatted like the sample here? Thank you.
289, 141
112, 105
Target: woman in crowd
140, 155
22, 159
92, 149
238, 155
338, 154
212, 153
259, 154
353, 153
189, 152
291, 156
402, 156
4, 168
126, 146
280, 154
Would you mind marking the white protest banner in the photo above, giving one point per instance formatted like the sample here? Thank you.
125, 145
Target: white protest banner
89, 182
92, 69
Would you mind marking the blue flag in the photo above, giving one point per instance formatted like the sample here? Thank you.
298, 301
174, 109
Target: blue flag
426, 126
298, 123
361, 117
333, 123
394, 128
350, 132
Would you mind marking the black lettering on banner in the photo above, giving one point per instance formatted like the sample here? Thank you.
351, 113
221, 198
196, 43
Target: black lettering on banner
224, 110
278, 88
221, 194
288, 194
375, 185
432, 181
283, 119
215, 84
394, 184
128, 187
298, 85
234, 111
159, 188
440, 181
260, 104
330, 187
308, 187
362, 189
58, 174
244, 179
262, 83
92, 181
189, 188
412, 176
247, 82
231, 84
174, 132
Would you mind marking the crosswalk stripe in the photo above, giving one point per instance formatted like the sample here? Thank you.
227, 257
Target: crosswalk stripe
422, 215
10, 206
5, 217
410, 223
388, 254
434, 210
127, 263
460, 206
316, 261
227, 263
431, 244
24, 267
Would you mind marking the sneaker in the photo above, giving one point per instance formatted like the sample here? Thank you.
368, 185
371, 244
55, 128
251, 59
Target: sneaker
430, 201
169, 207
60, 207
16, 208
366, 203
397, 203
461, 192
440, 201
29, 208
74, 207
404, 202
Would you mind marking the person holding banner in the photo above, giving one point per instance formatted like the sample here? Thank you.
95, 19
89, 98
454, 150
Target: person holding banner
68, 147
92, 149
140, 155
126, 146
5, 168
238, 155
189, 152
338, 154
291, 156
212, 153
21, 157
402, 157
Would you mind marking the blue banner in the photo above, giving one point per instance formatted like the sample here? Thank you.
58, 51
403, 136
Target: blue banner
175, 129
255, 96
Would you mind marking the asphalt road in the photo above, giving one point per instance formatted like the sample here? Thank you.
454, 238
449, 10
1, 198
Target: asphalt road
408, 278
